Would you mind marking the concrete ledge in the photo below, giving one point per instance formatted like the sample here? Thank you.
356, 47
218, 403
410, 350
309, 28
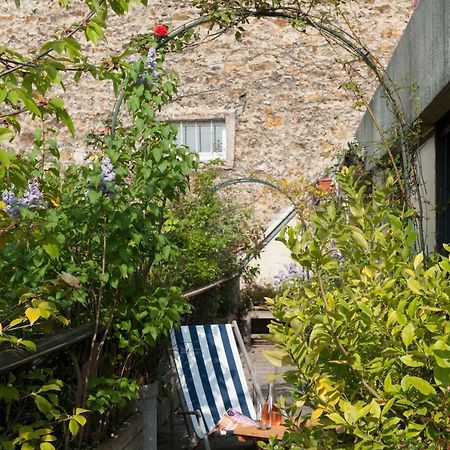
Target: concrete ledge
128, 437
420, 68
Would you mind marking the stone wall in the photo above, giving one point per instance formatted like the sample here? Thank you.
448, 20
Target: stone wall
283, 86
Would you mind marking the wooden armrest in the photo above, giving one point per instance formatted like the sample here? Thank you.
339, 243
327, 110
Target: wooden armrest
252, 432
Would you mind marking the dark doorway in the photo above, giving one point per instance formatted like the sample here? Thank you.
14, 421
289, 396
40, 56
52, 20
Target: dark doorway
443, 183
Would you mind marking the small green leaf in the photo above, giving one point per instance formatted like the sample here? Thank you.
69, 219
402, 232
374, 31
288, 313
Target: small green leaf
28, 344
32, 314
73, 427
57, 103
52, 249
4, 159
387, 406
336, 418
442, 375
418, 383
414, 285
124, 270
28, 102
409, 361
46, 446
277, 358
5, 134
81, 411
50, 387
418, 260
157, 154
26, 446
359, 237
80, 419
43, 404
408, 334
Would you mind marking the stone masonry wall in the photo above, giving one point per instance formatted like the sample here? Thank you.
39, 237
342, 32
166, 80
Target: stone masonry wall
283, 86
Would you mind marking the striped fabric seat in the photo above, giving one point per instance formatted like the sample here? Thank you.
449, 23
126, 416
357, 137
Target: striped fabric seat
210, 371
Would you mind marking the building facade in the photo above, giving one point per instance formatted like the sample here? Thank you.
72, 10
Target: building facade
271, 105
420, 67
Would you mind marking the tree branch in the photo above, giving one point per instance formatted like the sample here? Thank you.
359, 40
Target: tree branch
50, 50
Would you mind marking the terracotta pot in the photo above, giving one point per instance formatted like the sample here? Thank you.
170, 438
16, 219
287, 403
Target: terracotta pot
326, 185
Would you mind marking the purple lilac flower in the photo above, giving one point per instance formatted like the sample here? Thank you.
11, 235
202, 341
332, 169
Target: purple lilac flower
11, 202
32, 198
151, 59
108, 175
335, 252
151, 62
293, 272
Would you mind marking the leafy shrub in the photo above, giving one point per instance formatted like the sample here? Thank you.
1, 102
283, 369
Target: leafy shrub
98, 225
118, 228
211, 233
368, 334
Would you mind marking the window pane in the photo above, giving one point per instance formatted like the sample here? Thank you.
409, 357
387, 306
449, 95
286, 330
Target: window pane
205, 137
189, 135
219, 137
179, 137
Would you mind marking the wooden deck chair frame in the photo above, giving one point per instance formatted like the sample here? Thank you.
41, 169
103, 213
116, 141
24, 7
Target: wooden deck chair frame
217, 365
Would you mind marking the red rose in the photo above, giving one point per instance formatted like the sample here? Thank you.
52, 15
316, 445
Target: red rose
161, 30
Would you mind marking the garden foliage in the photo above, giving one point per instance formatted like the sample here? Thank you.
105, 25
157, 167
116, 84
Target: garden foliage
97, 241
212, 234
368, 333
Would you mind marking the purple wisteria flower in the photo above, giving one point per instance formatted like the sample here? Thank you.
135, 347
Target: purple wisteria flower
32, 198
151, 62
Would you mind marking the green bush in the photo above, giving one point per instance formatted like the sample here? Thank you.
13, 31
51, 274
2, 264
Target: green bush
368, 332
211, 232
113, 241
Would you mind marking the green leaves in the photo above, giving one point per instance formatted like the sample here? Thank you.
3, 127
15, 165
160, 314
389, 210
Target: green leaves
94, 30
374, 327
276, 357
409, 361
6, 134
359, 237
43, 404
420, 384
442, 375
408, 334
73, 427
33, 314
51, 248
414, 285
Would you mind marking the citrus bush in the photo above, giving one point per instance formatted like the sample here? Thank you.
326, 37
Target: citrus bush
368, 332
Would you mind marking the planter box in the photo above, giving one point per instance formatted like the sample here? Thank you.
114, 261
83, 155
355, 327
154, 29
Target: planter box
139, 432
147, 405
128, 437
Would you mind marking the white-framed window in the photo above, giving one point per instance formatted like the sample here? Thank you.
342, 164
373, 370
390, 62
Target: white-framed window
206, 137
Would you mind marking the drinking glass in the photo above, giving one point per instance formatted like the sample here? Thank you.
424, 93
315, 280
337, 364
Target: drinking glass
263, 416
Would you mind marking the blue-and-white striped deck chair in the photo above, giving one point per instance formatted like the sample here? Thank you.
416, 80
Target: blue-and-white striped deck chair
211, 374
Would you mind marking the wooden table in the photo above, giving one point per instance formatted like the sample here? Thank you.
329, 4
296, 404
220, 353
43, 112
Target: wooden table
252, 432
